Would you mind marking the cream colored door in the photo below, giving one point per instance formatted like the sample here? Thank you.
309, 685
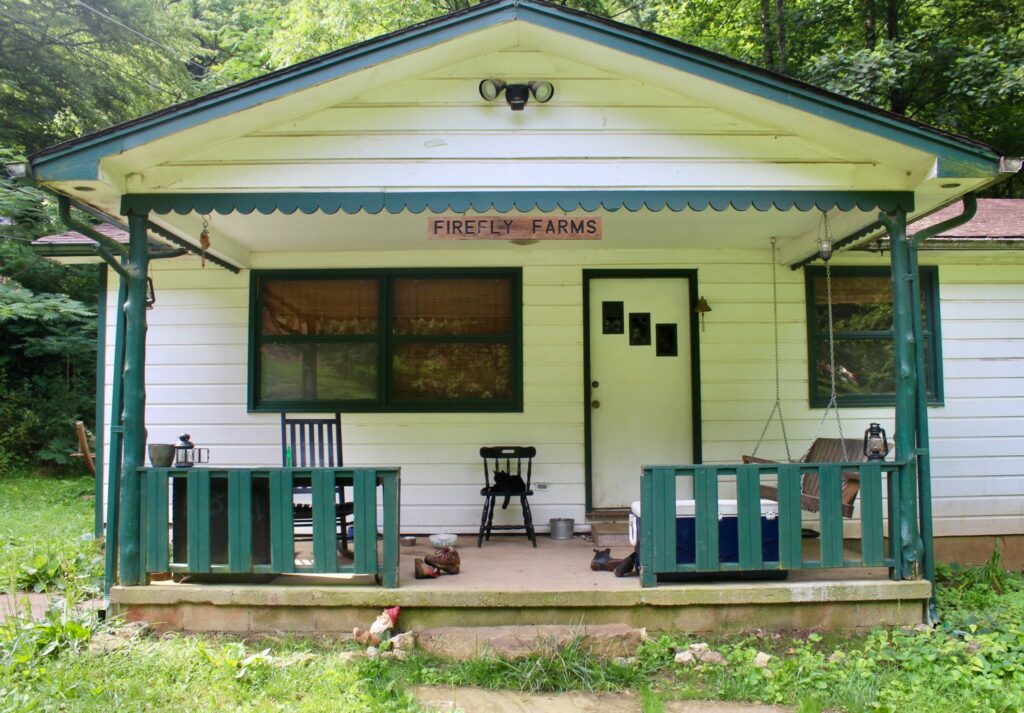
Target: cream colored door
639, 392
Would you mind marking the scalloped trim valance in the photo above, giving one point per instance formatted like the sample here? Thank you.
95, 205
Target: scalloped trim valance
506, 201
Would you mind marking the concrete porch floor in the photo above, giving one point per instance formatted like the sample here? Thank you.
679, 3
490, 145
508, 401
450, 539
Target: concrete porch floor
509, 582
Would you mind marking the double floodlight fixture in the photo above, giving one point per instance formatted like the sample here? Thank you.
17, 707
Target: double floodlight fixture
517, 94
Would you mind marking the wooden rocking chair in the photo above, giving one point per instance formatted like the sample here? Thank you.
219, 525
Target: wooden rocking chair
823, 450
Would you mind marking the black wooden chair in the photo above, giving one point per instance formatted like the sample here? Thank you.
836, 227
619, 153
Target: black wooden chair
504, 471
315, 443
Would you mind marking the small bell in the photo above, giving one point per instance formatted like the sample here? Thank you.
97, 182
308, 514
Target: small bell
702, 308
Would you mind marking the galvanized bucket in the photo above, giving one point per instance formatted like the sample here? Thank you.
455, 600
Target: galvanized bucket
561, 528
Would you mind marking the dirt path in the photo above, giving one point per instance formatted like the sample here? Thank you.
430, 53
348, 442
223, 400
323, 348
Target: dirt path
478, 700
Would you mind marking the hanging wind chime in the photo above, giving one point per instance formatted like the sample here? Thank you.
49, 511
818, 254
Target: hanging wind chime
204, 240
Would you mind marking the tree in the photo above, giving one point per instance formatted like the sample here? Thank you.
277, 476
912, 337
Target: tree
958, 64
71, 67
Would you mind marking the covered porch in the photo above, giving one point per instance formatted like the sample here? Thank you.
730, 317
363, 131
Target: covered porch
510, 583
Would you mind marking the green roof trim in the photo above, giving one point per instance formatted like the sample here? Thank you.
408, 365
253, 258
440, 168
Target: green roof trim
79, 159
506, 201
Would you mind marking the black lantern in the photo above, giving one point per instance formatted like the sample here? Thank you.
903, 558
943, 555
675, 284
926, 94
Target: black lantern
876, 446
187, 455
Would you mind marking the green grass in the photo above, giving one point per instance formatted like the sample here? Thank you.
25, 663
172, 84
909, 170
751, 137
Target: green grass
46, 541
974, 661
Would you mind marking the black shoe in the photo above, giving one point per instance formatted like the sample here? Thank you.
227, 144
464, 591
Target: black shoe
627, 567
603, 561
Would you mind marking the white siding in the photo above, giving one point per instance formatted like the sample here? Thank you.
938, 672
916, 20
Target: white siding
197, 353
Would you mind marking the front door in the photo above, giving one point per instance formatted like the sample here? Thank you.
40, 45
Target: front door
639, 388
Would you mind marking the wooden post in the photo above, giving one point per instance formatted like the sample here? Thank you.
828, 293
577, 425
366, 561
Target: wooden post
906, 388
134, 401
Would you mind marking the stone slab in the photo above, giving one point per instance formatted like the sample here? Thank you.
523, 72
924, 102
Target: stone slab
478, 700
461, 643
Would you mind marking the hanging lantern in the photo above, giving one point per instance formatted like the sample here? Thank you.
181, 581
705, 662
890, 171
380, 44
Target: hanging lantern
825, 238
876, 445
187, 455
150, 293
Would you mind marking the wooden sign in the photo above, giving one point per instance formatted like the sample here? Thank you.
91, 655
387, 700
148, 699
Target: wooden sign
520, 227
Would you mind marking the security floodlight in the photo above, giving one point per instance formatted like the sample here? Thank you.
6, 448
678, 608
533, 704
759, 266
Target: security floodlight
517, 95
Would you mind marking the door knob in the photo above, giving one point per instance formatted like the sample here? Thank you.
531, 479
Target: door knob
595, 403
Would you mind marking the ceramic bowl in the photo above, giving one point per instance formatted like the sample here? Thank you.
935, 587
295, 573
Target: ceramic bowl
445, 539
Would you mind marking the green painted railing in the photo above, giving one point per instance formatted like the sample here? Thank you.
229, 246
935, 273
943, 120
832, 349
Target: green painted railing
658, 517
241, 521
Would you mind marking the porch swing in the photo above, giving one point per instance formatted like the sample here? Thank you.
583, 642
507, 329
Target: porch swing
820, 449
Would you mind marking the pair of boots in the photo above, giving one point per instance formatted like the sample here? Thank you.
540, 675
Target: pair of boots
444, 561
603, 562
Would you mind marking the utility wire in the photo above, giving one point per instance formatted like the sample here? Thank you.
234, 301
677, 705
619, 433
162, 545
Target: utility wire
158, 43
46, 36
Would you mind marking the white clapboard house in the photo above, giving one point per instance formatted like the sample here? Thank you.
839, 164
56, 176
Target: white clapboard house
525, 225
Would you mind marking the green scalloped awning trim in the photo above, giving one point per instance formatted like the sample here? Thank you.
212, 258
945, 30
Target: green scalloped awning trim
506, 201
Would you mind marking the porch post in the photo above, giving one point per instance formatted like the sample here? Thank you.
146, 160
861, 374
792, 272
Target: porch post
116, 442
924, 474
99, 459
134, 401
903, 320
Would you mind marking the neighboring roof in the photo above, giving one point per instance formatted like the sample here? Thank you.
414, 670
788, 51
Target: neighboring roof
78, 158
75, 238
996, 219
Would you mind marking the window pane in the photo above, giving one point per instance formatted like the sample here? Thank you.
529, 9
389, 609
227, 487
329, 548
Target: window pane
859, 303
318, 371
319, 307
451, 371
863, 366
452, 306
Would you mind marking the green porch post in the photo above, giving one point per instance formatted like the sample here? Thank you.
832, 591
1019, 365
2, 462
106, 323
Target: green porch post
134, 401
903, 320
98, 427
924, 466
116, 443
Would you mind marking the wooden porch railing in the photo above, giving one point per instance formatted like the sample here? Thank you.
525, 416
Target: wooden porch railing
658, 517
241, 521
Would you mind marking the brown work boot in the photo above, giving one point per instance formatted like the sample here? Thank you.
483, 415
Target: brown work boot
425, 571
445, 559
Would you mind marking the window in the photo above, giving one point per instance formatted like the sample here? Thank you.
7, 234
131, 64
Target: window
862, 323
386, 340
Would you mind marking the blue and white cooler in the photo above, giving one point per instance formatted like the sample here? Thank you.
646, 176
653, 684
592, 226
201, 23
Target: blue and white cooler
728, 537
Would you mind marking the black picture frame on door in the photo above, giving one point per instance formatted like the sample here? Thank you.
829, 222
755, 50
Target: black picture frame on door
639, 329
666, 340
613, 318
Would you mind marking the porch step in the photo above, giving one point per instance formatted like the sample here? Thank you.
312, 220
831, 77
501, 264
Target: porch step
610, 534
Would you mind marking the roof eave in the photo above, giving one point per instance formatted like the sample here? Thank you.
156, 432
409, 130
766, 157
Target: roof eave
79, 159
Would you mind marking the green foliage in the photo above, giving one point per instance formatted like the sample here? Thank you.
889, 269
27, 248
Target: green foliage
60, 557
68, 70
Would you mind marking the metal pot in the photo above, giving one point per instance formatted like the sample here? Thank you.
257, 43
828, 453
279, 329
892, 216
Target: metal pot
561, 528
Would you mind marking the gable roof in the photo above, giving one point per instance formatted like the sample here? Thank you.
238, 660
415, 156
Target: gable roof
79, 158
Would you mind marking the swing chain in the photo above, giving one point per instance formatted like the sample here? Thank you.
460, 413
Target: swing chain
777, 406
832, 404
